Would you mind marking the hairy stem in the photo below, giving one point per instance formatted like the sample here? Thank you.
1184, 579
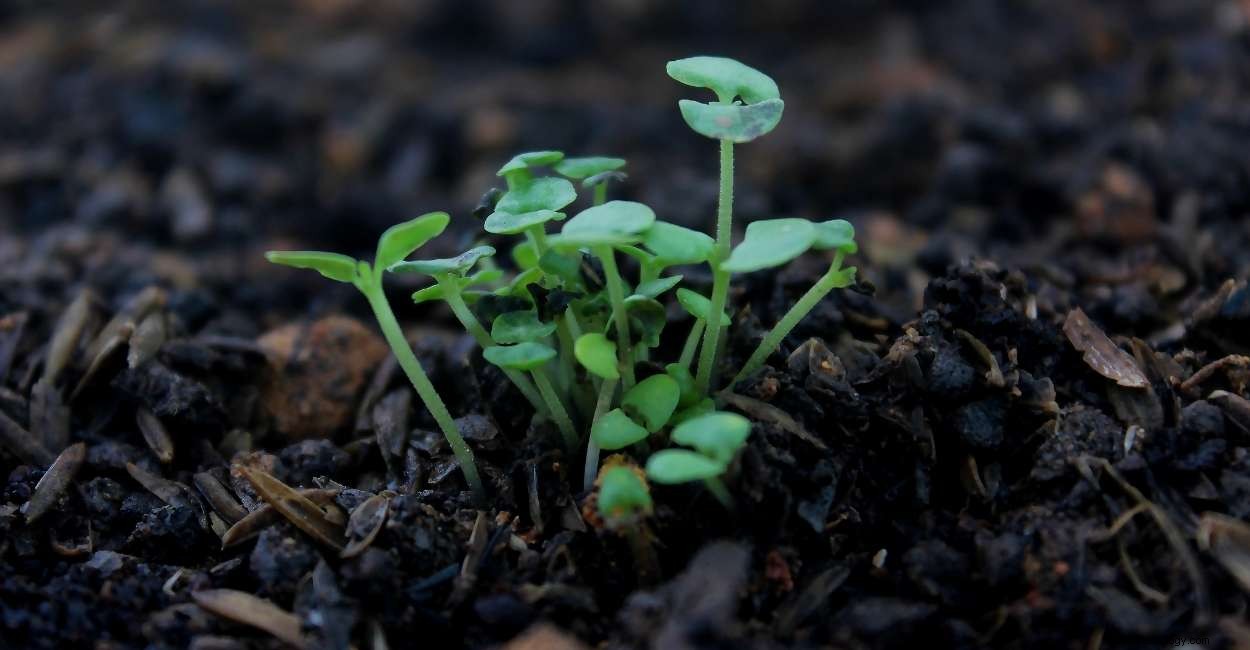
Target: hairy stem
782, 329
720, 279
451, 295
692, 343
558, 413
425, 390
606, 390
616, 295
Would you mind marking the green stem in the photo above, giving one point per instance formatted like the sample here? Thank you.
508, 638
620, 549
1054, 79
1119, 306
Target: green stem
616, 295
720, 279
425, 390
538, 235
718, 490
606, 391
601, 193
782, 329
451, 295
558, 413
692, 342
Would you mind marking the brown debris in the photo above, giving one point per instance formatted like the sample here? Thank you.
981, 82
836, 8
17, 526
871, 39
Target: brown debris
49, 416
22, 444
297, 508
316, 374
218, 497
155, 435
1228, 540
1100, 353
365, 523
1234, 365
242, 607
69, 328
147, 339
54, 483
544, 636
171, 492
765, 412
1236, 408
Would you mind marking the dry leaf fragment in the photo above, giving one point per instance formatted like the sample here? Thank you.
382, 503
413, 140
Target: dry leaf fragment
55, 481
242, 607
1227, 539
1100, 353
155, 435
297, 508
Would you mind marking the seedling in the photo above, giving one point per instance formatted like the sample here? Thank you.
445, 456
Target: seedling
624, 503
394, 245
531, 356
716, 438
594, 172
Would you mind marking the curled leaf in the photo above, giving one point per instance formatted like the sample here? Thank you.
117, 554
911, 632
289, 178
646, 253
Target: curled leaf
735, 123
677, 245
524, 161
507, 223
585, 167
331, 265
716, 435
400, 240
458, 265
728, 78
698, 306
835, 234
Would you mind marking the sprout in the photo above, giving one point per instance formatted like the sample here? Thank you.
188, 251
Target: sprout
616, 430
594, 172
652, 401
394, 245
598, 355
716, 437
530, 356
517, 171
624, 502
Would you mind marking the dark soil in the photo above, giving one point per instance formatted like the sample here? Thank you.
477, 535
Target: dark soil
934, 464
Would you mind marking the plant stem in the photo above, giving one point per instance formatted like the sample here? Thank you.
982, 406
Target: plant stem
425, 390
558, 413
606, 391
616, 295
720, 279
538, 235
718, 490
601, 194
645, 563
451, 295
692, 342
805, 304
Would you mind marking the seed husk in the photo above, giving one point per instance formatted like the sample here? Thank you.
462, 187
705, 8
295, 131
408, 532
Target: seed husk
297, 508
55, 481
155, 435
242, 607
219, 498
365, 523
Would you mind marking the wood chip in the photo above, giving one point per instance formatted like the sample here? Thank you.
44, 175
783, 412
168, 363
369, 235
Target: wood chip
22, 444
242, 607
1228, 540
55, 481
365, 523
298, 509
69, 328
1100, 353
155, 435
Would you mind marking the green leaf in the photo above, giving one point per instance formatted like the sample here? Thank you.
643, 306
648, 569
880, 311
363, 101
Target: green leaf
430, 293
331, 265
647, 317
717, 435
522, 356
542, 194
519, 283
734, 123
685, 384
585, 167
835, 233
671, 466
603, 177
597, 354
770, 243
399, 241
642, 256
728, 78
677, 245
615, 430
523, 161
652, 401
623, 496
698, 306
507, 223
520, 326
610, 222
525, 256
562, 266
704, 405
845, 278
458, 265
655, 288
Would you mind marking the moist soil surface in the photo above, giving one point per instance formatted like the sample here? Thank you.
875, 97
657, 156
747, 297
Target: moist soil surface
1026, 426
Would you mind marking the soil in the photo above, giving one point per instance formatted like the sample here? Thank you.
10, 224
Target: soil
1027, 427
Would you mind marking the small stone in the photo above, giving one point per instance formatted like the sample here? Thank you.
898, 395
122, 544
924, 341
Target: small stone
1202, 419
316, 373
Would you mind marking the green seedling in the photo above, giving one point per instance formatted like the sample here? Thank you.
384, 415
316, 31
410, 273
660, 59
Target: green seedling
394, 245
699, 307
624, 503
597, 354
519, 170
530, 356
594, 172
716, 438
748, 105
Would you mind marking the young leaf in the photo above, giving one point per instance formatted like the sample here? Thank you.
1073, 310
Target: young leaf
585, 167
520, 326
685, 384
562, 266
523, 161
542, 194
677, 245
652, 401
615, 430
647, 317
728, 78
399, 241
458, 265
835, 233
508, 223
597, 354
432, 292
612, 220
603, 177
671, 466
522, 356
331, 265
705, 405
524, 255
623, 496
655, 288
732, 122
845, 278
770, 243
717, 435
698, 306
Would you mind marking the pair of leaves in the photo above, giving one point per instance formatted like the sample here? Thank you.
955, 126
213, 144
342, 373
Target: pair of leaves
645, 409
399, 241
716, 438
761, 106
773, 242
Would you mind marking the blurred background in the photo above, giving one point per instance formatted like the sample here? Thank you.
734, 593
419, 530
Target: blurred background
179, 139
